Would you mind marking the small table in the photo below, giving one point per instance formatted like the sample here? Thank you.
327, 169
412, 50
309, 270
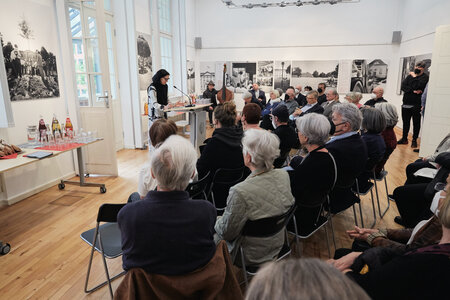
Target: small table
197, 122
22, 160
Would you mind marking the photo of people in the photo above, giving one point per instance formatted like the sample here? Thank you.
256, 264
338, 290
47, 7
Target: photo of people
145, 68
264, 75
190, 67
242, 76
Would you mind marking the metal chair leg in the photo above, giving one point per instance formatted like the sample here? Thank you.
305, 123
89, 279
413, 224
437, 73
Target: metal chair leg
244, 269
297, 241
360, 203
387, 197
374, 210
376, 192
330, 220
354, 214
86, 290
328, 242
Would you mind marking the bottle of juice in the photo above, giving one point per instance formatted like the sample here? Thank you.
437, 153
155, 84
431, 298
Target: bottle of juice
69, 128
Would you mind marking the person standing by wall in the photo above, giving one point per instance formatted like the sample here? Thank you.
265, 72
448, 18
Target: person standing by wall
413, 86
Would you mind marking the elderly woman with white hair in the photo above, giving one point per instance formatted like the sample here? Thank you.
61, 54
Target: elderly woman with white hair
315, 174
248, 98
265, 193
167, 232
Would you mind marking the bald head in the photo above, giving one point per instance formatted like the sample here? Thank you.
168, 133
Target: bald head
378, 91
299, 88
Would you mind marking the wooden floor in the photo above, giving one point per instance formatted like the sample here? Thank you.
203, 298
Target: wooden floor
49, 260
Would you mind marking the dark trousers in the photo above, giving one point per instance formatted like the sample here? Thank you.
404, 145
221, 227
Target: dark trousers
357, 246
415, 166
412, 204
407, 114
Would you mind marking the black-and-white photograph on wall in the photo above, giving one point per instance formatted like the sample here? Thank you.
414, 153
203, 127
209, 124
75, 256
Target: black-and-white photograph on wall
242, 76
264, 75
368, 74
207, 74
145, 68
29, 52
190, 67
282, 74
407, 65
311, 73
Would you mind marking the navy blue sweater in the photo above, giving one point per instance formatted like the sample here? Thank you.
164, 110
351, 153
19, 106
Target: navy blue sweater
167, 233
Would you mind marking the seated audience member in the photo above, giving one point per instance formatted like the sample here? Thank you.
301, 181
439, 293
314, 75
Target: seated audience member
286, 134
308, 88
210, 93
257, 94
354, 97
300, 98
314, 175
377, 97
251, 114
332, 99
373, 123
426, 162
281, 92
274, 100
312, 106
159, 132
421, 273
167, 232
413, 200
349, 151
223, 149
321, 97
290, 102
388, 134
248, 98
425, 233
265, 193
306, 279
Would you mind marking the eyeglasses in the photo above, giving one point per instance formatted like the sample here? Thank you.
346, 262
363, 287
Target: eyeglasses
340, 124
166, 78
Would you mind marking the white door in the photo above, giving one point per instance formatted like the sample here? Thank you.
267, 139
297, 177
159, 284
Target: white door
436, 123
94, 53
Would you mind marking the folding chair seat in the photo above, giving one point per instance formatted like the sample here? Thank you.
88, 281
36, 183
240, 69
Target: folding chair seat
198, 188
266, 227
105, 239
221, 183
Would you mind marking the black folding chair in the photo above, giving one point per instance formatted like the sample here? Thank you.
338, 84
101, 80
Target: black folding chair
361, 190
221, 183
105, 239
262, 228
382, 176
198, 188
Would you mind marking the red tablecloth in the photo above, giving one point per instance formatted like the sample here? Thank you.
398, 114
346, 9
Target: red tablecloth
61, 147
9, 156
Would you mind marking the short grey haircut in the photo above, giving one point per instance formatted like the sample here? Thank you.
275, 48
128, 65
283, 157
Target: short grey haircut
350, 113
276, 93
373, 120
390, 113
305, 278
315, 127
262, 146
313, 93
246, 95
173, 163
358, 96
334, 91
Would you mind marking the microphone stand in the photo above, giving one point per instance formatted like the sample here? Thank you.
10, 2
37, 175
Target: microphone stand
190, 102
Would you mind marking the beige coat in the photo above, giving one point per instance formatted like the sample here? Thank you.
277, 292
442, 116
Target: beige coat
261, 196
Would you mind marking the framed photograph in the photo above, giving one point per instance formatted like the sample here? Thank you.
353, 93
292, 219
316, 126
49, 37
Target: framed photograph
367, 74
282, 74
264, 75
242, 76
190, 68
311, 73
145, 68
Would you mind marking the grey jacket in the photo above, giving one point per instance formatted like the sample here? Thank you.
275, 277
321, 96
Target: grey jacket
328, 108
444, 146
259, 196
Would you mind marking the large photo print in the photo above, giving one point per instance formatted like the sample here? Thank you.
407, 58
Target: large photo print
282, 74
311, 73
29, 49
264, 75
144, 49
243, 75
368, 74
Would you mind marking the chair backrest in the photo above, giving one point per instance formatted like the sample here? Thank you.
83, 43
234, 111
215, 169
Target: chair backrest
268, 226
221, 183
108, 212
198, 187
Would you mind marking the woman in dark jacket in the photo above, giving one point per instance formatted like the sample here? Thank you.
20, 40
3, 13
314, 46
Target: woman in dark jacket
315, 174
373, 124
223, 149
388, 134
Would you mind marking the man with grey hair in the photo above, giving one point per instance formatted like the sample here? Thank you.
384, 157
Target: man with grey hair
312, 106
248, 98
290, 102
332, 99
377, 97
167, 232
258, 94
349, 151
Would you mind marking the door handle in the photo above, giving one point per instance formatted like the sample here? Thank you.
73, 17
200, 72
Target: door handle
106, 99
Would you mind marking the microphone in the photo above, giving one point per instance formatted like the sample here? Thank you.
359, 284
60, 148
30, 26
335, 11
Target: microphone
190, 102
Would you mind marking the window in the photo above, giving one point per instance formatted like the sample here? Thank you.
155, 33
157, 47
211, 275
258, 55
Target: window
165, 38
